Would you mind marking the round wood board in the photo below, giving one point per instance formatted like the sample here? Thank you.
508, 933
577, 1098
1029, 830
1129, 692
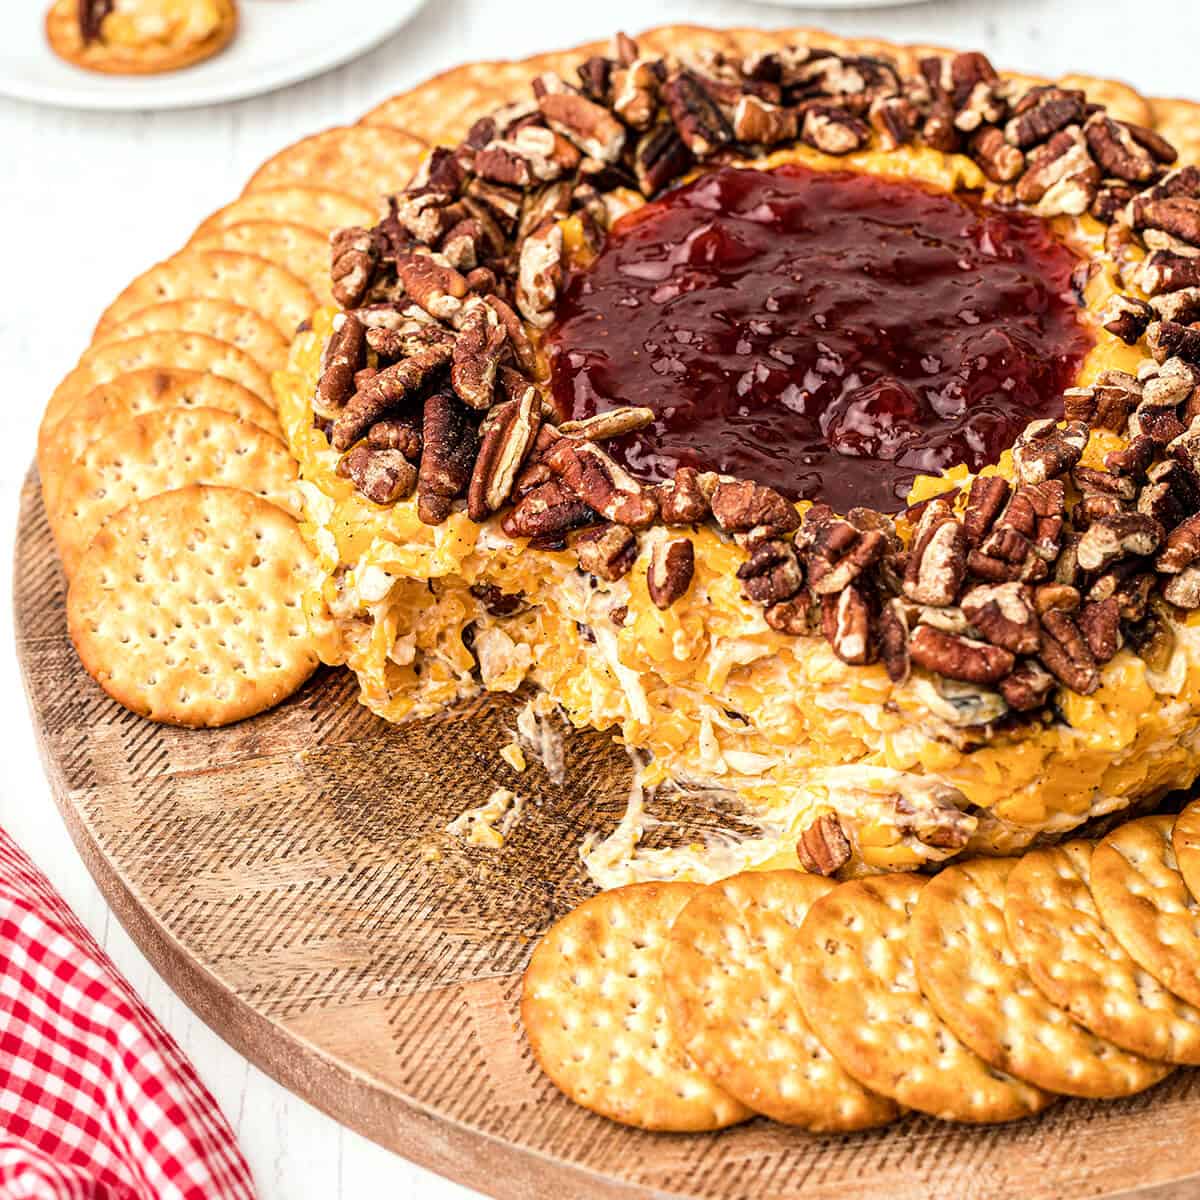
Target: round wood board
276, 873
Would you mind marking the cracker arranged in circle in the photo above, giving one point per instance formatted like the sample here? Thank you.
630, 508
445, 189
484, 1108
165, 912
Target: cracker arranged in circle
1142, 898
970, 974
319, 208
115, 403
1179, 122
368, 161
191, 351
1077, 962
1185, 842
217, 275
1122, 102
857, 983
187, 610
298, 249
595, 1013
227, 322
111, 57
158, 452
731, 995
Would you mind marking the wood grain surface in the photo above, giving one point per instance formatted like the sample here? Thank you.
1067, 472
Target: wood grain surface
276, 873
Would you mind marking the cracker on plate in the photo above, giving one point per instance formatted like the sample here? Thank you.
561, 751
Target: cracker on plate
186, 607
318, 208
731, 995
857, 982
595, 1014
970, 974
297, 248
158, 452
1077, 962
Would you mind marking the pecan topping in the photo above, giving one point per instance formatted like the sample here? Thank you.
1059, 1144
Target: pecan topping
699, 121
602, 485
1100, 624
771, 573
1113, 146
672, 564
438, 289
1177, 215
345, 355
1165, 271
614, 423
635, 93
449, 454
496, 602
937, 563
1001, 161
1028, 687
1056, 596
796, 617
548, 511
477, 350
1110, 538
1182, 547
959, 657
1042, 112
660, 157
823, 848
985, 500
506, 438
396, 433
755, 120
1170, 337
1065, 653
1043, 451
386, 391
837, 552
684, 500
1004, 615
608, 551
355, 256
589, 126
540, 275
893, 641
743, 505
846, 621
382, 476
1061, 177
934, 817
833, 130
1183, 590
1127, 317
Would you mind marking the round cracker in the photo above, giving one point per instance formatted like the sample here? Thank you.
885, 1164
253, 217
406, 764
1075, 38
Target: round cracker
301, 250
191, 351
113, 404
158, 452
218, 275
1179, 122
66, 40
322, 209
1185, 842
595, 1014
858, 986
368, 161
227, 322
186, 608
1123, 102
1073, 957
970, 974
1142, 898
731, 996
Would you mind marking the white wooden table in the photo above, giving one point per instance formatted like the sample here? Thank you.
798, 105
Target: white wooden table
87, 200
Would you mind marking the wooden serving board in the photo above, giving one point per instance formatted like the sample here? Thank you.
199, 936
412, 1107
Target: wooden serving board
277, 873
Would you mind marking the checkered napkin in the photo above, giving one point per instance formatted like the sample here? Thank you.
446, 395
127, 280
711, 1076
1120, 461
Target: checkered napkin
97, 1102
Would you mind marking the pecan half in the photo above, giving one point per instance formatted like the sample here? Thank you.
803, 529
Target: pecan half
660, 157
959, 657
345, 355
985, 500
893, 641
1043, 451
355, 255
635, 92
1028, 687
1165, 271
539, 275
797, 617
934, 817
602, 485
823, 848
548, 511
837, 552
438, 289
742, 505
698, 119
615, 423
846, 622
684, 499
1113, 146
382, 476
1111, 538
1004, 614
1060, 176
1127, 317
755, 120
608, 551
832, 130
506, 438
772, 573
451, 443
477, 350
1001, 161
937, 563
1042, 112
397, 433
672, 565
1066, 655
1182, 547
1100, 624
1183, 590
1177, 215
589, 126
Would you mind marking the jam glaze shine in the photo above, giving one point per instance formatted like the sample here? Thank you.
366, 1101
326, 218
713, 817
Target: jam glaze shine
831, 334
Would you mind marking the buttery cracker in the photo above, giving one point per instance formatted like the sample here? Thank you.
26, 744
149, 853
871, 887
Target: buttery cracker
1142, 898
1185, 842
731, 995
858, 986
1122, 102
217, 275
595, 1014
186, 607
158, 452
1077, 962
1179, 122
368, 161
110, 405
227, 322
321, 209
301, 250
969, 973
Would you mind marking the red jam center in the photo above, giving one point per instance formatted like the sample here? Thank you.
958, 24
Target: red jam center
830, 334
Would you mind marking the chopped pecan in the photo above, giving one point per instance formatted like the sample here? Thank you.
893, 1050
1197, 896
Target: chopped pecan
1028, 687
1091, 482
450, 446
588, 125
615, 423
1133, 458
1183, 590
345, 355
477, 350
958, 657
772, 573
1001, 161
1060, 176
424, 212
1100, 624
697, 117
837, 551
506, 438
660, 157
742, 505
1066, 655
1165, 271
382, 476
1059, 596
846, 622
1043, 451
1182, 547
355, 255
498, 204
937, 562
518, 338
894, 119
540, 274
386, 391
1177, 215
609, 551
755, 120
1041, 112
1004, 614
1127, 317
407, 338
635, 92
396, 433
672, 564
1182, 306
823, 848
985, 500
934, 817
832, 130
1124, 535
893, 641
797, 617
596, 480
1129, 582
684, 499
548, 511
1172, 338
438, 289
1113, 146
1111, 198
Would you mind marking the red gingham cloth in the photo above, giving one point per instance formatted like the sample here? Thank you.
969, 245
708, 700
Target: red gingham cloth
97, 1102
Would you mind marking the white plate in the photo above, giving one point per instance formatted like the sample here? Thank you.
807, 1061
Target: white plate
840, 4
277, 43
